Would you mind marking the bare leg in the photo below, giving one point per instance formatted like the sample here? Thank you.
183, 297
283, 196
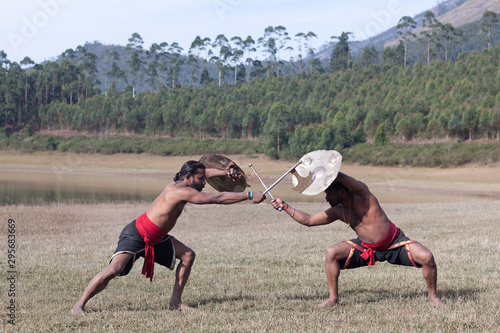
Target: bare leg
186, 255
425, 258
100, 281
334, 253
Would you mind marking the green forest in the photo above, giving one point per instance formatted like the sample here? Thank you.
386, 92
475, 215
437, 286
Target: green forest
282, 108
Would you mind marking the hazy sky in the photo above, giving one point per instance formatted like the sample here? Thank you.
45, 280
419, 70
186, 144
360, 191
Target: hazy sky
43, 29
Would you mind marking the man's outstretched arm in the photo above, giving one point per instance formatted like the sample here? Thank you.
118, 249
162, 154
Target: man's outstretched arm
321, 218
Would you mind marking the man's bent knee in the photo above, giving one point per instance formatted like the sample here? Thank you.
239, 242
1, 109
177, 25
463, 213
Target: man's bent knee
425, 258
333, 253
188, 258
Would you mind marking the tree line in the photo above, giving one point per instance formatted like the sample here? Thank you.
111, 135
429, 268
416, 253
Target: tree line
311, 108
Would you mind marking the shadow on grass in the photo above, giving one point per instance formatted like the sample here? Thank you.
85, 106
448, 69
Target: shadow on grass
212, 300
359, 295
220, 300
364, 295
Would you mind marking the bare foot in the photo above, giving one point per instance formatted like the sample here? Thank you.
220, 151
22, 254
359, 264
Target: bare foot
180, 307
77, 309
328, 303
437, 302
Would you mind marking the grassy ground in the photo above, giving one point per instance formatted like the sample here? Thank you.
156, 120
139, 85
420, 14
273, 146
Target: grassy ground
257, 270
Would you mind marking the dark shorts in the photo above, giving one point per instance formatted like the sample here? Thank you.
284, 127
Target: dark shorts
131, 241
398, 254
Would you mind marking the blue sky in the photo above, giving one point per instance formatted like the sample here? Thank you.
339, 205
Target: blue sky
43, 29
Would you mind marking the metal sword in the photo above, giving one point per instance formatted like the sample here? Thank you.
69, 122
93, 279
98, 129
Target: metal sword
261, 181
286, 173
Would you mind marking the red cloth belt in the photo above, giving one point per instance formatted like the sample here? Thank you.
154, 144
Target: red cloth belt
385, 243
152, 235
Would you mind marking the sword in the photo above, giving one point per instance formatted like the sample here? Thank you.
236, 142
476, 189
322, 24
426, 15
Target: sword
261, 181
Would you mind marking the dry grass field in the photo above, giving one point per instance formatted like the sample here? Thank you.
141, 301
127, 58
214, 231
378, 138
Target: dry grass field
256, 270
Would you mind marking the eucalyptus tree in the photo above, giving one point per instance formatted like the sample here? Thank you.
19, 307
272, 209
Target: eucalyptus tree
155, 53
238, 52
107, 57
194, 56
495, 120
52, 70
223, 54
174, 57
369, 56
449, 34
268, 45
308, 44
405, 26
341, 54
300, 39
279, 122
248, 49
488, 19
26, 62
12, 96
115, 72
69, 73
136, 62
281, 37
430, 34
70, 54
89, 69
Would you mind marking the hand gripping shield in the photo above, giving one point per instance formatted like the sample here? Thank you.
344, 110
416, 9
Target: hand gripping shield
224, 183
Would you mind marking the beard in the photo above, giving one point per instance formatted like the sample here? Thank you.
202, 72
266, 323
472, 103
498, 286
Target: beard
198, 188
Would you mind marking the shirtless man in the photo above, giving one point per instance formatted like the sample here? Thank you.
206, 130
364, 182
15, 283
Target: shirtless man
148, 235
378, 239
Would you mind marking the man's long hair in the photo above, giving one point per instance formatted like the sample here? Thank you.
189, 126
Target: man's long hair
189, 168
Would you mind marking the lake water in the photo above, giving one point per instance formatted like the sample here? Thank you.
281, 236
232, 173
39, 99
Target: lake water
53, 186
32, 187
45, 186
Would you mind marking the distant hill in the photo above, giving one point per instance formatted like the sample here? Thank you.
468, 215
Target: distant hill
468, 12
457, 12
465, 14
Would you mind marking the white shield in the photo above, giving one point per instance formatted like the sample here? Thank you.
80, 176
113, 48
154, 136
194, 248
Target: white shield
324, 165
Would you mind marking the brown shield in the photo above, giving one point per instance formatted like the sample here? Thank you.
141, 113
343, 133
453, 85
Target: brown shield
224, 183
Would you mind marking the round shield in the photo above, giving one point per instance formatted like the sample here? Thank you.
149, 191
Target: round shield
317, 171
224, 183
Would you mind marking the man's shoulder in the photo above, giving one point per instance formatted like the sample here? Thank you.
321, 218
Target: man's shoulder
181, 193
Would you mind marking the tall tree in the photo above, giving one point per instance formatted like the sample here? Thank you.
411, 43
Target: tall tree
155, 54
174, 56
268, 45
369, 56
310, 49
487, 21
236, 54
26, 62
193, 58
221, 44
449, 34
248, 49
281, 38
300, 39
340, 55
136, 62
405, 26
430, 34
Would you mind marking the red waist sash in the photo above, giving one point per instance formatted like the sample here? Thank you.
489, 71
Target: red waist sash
152, 235
385, 243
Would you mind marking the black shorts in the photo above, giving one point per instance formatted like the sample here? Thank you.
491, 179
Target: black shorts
399, 253
131, 241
